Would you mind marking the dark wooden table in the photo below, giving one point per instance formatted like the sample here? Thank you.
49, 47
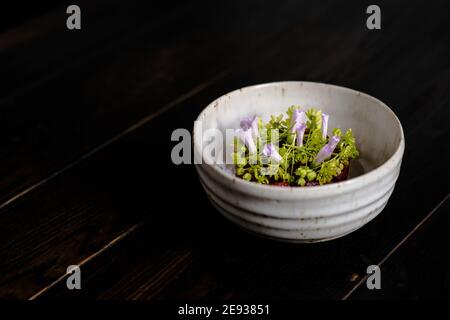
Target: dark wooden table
85, 171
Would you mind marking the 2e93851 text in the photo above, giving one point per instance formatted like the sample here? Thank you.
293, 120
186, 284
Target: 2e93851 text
243, 309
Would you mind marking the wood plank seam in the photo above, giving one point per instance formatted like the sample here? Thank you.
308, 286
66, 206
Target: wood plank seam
92, 256
137, 125
394, 249
116, 42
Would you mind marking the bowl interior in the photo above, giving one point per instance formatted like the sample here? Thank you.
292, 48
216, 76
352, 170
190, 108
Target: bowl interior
377, 130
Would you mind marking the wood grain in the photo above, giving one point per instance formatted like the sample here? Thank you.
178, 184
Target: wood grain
417, 268
102, 84
119, 109
179, 247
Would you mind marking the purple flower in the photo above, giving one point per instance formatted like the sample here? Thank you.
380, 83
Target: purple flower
250, 123
269, 151
300, 133
298, 117
327, 149
247, 138
298, 124
324, 125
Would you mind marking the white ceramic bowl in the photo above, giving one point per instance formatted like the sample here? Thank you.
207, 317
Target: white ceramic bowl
308, 214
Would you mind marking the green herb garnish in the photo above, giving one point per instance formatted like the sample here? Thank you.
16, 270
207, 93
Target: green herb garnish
292, 150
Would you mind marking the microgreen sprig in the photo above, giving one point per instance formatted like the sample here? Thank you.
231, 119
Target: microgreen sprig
295, 149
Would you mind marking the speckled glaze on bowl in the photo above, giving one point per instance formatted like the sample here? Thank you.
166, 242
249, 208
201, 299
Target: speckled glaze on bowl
309, 214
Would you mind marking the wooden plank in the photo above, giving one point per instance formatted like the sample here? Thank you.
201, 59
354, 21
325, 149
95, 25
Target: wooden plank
43, 47
78, 213
227, 263
24, 242
17, 12
100, 95
418, 269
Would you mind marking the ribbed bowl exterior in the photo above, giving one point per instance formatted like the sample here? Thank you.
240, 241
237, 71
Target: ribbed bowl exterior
299, 218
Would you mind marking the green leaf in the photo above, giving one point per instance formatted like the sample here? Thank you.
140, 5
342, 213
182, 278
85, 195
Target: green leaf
298, 162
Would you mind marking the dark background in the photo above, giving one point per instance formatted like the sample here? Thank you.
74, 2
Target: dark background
85, 124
